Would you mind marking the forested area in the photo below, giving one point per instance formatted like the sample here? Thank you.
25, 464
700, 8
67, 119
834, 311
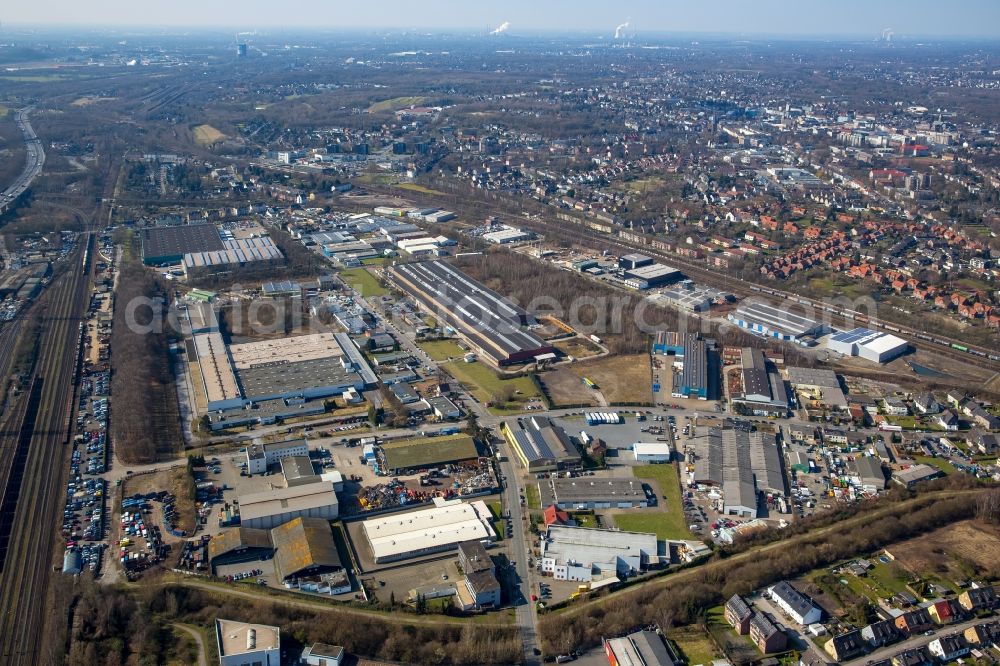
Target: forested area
145, 417
113, 627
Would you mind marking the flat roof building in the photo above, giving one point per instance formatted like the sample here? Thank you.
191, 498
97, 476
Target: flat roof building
820, 385
652, 452
589, 492
490, 324
652, 275
781, 322
875, 346
400, 536
590, 554
168, 245
243, 644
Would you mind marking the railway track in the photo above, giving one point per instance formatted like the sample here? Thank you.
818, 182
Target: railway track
918, 339
39, 469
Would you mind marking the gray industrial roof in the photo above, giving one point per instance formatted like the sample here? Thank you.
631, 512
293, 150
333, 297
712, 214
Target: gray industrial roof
594, 489
180, 240
489, 321
813, 377
755, 379
539, 439
776, 318
297, 467
273, 379
695, 372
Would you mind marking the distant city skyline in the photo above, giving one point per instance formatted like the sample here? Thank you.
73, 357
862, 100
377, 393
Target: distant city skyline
923, 18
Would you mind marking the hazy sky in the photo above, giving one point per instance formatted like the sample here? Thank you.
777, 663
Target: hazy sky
952, 18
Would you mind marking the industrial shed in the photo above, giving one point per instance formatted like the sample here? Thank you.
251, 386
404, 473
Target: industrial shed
490, 324
304, 547
275, 507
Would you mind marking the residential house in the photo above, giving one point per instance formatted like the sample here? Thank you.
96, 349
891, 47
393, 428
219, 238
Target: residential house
942, 612
880, 633
978, 598
926, 404
894, 406
983, 633
947, 420
987, 443
796, 605
738, 614
914, 621
949, 648
846, 646
553, 515
983, 418
765, 635
918, 656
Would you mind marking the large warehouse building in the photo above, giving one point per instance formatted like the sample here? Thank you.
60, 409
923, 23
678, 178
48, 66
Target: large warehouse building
764, 391
540, 445
865, 343
491, 325
303, 367
742, 464
588, 554
588, 492
275, 507
168, 245
772, 321
442, 527
651, 276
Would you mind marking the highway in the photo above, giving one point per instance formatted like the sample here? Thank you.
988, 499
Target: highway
34, 452
35, 159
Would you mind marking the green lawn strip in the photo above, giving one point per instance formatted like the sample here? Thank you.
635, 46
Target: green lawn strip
670, 523
363, 281
442, 350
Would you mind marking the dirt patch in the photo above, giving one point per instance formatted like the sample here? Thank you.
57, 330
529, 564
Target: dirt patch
622, 379
565, 388
962, 550
206, 135
577, 347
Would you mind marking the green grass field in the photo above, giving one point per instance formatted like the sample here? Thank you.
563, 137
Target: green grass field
668, 523
488, 387
363, 281
696, 645
413, 187
441, 350
939, 463
531, 496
